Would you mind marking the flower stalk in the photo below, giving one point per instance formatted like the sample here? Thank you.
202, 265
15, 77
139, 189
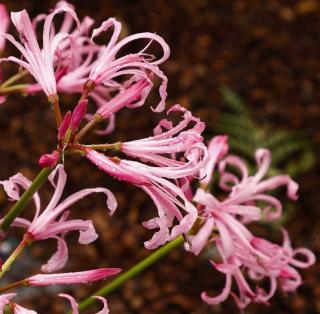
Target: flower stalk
16, 210
14, 78
19, 88
133, 271
13, 285
114, 146
54, 101
27, 240
87, 127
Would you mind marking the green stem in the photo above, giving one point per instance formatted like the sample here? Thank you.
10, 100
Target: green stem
20, 88
133, 271
24, 199
87, 127
14, 78
114, 146
27, 239
14, 285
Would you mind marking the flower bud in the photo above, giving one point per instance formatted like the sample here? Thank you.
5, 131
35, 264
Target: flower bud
64, 125
49, 160
78, 114
71, 278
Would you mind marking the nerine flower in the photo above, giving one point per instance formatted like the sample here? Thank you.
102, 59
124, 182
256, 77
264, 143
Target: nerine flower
259, 260
160, 178
107, 67
243, 198
53, 221
223, 222
252, 189
73, 54
40, 62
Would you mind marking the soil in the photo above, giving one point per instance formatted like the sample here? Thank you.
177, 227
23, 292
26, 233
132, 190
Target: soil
268, 52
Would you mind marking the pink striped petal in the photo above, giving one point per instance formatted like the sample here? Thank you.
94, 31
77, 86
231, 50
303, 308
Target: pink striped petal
72, 278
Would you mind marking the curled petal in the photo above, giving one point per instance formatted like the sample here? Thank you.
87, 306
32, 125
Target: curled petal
73, 303
222, 296
58, 259
12, 188
105, 309
263, 159
275, 182
199, 240
309, 256
217, 149
89, 235
235, 162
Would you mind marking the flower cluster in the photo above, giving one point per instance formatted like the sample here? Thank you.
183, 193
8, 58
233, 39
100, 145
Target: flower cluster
225, 223
166, 165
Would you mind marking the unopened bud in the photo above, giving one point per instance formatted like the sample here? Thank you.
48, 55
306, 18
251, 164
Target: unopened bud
49, 160
64, 125
78, 114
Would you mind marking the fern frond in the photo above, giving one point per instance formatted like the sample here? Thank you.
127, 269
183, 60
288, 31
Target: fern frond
232, 99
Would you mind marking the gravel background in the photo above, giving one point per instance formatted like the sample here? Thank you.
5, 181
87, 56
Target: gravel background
268, 52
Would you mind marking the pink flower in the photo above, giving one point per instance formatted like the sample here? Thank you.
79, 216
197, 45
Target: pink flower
168, 197
252, 189
4, 23
52, 221
40, 63
71, 278
241, 252
108, 67
161, 150
168, 140
262, 259
74, 54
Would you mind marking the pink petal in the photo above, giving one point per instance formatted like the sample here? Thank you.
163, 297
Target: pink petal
22, 310
105, 309
222, 296
59, 259
73, 303
89, 235
217, 149
72, 278
199, 240
5, 299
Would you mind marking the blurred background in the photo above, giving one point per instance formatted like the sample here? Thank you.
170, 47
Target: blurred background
249, 69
